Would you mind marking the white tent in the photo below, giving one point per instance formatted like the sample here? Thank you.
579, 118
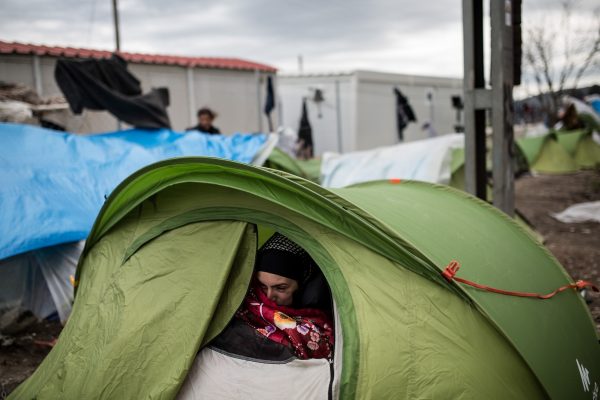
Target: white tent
426, 160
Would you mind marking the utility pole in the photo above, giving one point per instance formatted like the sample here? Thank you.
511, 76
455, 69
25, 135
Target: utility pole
116, 21
117, 39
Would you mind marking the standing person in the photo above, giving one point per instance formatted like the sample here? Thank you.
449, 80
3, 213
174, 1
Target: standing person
206, 116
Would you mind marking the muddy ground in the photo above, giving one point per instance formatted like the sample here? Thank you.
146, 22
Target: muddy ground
21, 354
576, 246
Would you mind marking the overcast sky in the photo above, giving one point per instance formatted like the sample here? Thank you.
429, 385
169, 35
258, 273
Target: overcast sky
415, 37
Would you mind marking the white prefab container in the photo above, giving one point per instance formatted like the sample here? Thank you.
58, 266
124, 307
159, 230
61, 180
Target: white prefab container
358, 110
236, 90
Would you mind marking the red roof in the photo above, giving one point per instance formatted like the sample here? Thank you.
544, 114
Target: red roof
71, 52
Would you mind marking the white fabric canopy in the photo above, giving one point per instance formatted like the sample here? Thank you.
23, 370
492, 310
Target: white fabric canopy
425, 160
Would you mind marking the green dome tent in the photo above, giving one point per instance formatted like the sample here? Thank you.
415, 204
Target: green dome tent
307, 169
171, 254
545, 154
581, 146
560, 152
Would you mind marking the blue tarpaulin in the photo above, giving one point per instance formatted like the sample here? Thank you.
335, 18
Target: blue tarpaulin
53, 184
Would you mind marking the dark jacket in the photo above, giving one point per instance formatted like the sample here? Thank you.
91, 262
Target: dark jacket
211, 131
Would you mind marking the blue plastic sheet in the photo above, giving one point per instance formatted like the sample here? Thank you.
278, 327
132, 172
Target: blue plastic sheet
53, 184
596, 105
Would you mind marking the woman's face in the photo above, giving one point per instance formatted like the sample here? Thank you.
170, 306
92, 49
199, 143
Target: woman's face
277, 288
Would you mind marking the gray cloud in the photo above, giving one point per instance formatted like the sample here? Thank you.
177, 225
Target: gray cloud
403, 36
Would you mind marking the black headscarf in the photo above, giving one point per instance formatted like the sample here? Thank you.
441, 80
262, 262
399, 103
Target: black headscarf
280, 256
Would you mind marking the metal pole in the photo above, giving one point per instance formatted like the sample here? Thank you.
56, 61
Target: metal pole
116, 21
279, 111
278, 102
475, 98
502, 105
37, 75
191, 95
338, 115
430, 100
258, 100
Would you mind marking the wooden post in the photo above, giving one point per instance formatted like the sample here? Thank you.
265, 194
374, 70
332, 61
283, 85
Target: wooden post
499, 100
476, 99
502, 104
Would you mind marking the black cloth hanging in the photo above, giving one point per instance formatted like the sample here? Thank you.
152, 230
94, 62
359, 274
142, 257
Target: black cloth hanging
305, 133
106, 84
404, 113
269, 102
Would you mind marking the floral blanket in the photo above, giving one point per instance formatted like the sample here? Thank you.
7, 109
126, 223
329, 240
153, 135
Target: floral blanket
307, 331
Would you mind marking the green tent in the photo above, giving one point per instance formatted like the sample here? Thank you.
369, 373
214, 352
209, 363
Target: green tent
308, 169
545, 154
171, 254
581, 146
560, 152
457, 169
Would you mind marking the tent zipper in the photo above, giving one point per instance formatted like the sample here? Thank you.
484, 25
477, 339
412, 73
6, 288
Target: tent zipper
331, 376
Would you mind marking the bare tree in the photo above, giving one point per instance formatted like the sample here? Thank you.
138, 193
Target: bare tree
558, 56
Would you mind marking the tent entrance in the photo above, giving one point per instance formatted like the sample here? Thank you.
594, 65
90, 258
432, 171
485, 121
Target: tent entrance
239, 362
213, 361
